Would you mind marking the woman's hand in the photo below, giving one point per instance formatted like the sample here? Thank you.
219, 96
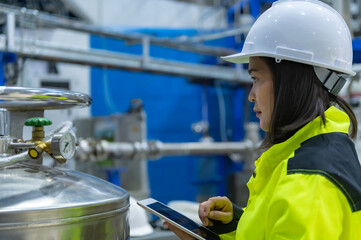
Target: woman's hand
182, 235
216, 208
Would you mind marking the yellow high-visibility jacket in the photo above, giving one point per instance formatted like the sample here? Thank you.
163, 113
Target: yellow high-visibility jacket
307, 187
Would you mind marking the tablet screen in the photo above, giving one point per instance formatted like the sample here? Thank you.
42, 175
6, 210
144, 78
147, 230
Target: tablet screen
183, 221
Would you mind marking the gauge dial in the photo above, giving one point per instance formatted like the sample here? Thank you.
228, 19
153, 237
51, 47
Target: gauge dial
63, 146
67, 145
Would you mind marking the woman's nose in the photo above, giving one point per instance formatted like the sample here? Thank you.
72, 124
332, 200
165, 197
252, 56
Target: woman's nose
251, 96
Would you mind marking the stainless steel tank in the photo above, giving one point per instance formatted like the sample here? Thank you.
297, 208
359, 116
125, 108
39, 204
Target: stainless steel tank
38, 202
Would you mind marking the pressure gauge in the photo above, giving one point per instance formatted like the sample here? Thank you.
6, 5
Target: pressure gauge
63, 146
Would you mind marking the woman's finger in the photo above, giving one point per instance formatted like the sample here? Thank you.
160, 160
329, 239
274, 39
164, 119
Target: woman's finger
216, 208
181, 234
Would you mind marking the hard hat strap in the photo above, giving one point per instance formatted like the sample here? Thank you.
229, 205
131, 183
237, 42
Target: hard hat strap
331, 80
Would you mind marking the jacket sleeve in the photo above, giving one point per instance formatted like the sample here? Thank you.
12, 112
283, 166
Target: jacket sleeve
228, 231
304, 206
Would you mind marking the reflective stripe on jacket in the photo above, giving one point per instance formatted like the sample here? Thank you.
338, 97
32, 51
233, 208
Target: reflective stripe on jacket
308, 187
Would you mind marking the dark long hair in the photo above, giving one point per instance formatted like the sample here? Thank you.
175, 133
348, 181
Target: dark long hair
299, 97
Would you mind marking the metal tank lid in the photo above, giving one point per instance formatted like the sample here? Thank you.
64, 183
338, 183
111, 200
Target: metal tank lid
34, 193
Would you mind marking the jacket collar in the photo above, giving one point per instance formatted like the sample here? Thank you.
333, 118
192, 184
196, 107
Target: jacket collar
336, 121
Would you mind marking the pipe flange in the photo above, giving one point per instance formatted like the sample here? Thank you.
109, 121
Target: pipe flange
154, 150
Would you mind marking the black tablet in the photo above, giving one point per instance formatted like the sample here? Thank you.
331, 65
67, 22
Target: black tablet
178, 220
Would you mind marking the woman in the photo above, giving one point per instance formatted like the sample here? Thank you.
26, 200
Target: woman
307, 184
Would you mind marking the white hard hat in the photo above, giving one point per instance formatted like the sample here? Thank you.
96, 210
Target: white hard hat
138, 220
305, 31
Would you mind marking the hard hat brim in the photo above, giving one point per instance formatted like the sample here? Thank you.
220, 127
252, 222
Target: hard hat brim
244, 58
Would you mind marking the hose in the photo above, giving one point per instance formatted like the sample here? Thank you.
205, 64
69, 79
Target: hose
22, 157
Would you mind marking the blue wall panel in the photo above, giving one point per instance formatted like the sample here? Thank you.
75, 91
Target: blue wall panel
356, 45
172, 104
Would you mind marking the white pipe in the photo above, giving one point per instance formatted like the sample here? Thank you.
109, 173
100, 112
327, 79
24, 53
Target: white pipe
157, 149
10, 31
205, 148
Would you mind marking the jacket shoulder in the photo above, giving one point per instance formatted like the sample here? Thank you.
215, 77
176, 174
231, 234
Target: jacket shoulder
333, 156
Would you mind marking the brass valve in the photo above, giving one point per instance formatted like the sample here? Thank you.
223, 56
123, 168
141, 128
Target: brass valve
38, 131
38, 135
61, 146
40, 147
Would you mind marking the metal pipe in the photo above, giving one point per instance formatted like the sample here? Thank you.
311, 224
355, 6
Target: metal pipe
124, 150
157, 149
20, 145
213, 36
4, 122
62, 128
204, 148
10, 31
47, 20
14, 159
45, 51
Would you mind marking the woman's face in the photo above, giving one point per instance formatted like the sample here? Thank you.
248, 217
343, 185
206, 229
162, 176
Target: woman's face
262, 91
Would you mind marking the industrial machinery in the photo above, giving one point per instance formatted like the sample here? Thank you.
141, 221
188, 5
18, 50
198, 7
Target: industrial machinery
122, 138
39, 202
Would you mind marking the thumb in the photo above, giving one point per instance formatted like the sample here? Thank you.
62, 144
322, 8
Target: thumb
224, 217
